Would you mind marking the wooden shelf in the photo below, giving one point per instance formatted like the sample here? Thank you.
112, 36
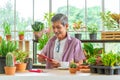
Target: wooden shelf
101, 41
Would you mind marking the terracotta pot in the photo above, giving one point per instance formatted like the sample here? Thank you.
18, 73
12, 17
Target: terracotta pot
10, 70
21, 37
72, 70
20, 67
8, 37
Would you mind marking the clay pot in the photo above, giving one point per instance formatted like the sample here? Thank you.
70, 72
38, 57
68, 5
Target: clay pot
8, 37
21, 67
73, 70
10, 70
21, 37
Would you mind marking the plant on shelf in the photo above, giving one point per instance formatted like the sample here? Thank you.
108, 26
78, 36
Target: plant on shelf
21, 35
7, 30
108, 21
72, 67
10, 67
38, 29
92, 29
77, 25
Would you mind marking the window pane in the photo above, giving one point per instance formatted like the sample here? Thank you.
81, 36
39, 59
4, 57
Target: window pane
6, 14
59, 6
41, 7
93, 12
24, 12
112, 5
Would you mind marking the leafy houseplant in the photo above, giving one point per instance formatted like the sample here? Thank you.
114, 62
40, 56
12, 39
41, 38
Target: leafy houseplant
77, 26
108, 20
7, 30
91, 61
109, 59
37, 28
21, 35
92, 29
10, 67
5, 48
90, 51
20, 58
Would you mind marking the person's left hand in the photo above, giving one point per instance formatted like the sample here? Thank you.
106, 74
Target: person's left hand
55, 63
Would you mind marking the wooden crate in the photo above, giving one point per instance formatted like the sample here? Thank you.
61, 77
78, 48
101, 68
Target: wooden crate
110, 35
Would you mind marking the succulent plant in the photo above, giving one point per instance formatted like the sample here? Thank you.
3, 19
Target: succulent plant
9, 60
73, 65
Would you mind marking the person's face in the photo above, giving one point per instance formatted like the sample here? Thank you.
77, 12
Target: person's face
59, 30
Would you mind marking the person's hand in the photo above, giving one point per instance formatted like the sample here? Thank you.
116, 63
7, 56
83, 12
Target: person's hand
55, 63
41, 58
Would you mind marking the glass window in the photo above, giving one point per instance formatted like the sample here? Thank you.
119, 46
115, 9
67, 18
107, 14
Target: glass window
6, 14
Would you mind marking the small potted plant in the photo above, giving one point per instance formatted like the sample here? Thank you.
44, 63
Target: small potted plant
92, 29
20, 58
77, 26
7, 30
10, 67
21, 35
73, 67
38, 29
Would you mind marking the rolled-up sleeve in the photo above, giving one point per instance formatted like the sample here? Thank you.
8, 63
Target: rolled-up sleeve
78, 55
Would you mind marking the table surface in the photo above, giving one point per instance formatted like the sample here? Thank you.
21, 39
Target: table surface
56, 74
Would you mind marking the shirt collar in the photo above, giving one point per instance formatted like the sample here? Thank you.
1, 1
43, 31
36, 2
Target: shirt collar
68, 37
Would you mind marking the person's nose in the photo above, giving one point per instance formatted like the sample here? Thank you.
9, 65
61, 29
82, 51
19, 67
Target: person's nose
55, 30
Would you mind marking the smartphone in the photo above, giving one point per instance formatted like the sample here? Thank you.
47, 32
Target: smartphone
45, 57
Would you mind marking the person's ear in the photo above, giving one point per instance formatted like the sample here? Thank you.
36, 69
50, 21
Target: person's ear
66, 26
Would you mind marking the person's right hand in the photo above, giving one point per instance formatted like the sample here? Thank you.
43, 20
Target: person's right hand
41, 58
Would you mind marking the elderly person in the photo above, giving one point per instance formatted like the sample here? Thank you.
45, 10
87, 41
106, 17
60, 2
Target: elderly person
61, 47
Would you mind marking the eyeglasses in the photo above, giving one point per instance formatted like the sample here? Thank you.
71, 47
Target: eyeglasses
58, 46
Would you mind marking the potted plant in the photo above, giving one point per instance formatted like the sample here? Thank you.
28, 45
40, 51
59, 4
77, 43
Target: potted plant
72, 67
111, 23
77, 26
7, 30
91, 51
10, 67
21, 35
5, 47
20, 58
108, 21
38, 29
92, 29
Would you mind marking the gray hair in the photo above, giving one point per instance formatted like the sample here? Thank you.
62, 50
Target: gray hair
60, 17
